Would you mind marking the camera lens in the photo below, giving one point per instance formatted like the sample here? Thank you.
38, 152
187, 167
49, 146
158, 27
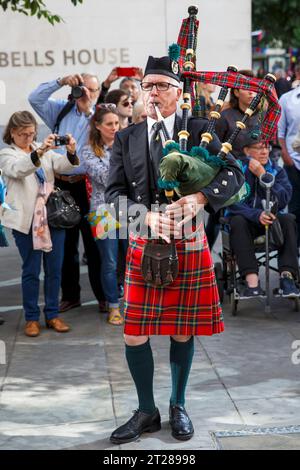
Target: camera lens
77, 92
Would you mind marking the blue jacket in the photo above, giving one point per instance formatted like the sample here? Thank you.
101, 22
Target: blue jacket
252, 207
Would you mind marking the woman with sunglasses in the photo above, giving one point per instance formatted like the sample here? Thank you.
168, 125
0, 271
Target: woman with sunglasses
124, 106
96, 156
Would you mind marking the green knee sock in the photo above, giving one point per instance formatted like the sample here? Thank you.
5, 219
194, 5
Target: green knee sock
181, 357
141, 366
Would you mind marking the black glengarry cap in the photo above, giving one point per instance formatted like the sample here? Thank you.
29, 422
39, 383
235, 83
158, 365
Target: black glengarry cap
162, 66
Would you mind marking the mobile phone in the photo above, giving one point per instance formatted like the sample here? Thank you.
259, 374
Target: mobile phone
126, 71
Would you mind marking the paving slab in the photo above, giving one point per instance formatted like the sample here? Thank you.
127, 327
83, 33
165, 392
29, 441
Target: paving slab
70, 391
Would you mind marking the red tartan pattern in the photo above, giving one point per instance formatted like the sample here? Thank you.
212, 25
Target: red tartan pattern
232, 80
182, 40
189, 306
237, 80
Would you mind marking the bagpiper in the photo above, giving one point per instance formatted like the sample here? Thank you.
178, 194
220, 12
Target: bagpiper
170, 286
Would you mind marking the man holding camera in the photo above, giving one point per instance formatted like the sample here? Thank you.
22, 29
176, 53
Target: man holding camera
63, 117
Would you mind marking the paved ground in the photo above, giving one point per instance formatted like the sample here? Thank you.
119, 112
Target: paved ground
70, 391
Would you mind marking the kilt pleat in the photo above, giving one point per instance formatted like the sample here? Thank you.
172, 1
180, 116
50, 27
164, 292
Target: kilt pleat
189, 306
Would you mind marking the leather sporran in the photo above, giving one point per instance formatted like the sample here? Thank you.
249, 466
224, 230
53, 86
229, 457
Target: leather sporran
159, 264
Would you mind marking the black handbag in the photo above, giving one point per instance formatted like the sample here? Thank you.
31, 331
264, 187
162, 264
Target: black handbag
62, 210
159, 264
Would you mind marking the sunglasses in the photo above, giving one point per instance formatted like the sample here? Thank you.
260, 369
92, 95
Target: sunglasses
110, 106
126, 104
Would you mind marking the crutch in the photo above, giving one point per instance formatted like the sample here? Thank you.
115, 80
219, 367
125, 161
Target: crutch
266, 181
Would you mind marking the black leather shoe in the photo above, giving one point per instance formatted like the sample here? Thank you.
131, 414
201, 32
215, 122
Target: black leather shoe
1, 321
66, 305
139, 423
182, 426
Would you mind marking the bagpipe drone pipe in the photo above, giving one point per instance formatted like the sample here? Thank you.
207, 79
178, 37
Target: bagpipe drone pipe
187, 172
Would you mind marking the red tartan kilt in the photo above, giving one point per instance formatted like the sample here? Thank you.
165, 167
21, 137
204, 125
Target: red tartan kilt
189, 306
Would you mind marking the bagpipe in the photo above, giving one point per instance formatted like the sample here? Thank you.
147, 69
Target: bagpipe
187, 172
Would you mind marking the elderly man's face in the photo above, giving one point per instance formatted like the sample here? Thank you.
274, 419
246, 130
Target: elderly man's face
166, 101
92, 91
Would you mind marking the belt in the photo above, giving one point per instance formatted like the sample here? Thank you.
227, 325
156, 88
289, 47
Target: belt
70, 178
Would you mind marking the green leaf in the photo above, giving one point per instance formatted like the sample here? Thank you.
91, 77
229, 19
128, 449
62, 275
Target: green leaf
34, 8
279, 19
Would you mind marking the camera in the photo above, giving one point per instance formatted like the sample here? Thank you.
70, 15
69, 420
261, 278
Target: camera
62, 140
77, 92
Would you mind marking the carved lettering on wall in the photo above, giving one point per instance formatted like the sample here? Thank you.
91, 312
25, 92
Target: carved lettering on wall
66, 57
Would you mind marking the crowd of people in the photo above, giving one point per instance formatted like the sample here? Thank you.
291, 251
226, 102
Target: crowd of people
91, 125
92, 121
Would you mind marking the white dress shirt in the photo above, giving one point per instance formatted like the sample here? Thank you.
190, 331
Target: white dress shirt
169, 122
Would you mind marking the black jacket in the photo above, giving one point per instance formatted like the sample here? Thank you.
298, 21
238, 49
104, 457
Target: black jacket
226, 125
129, 167
252, 207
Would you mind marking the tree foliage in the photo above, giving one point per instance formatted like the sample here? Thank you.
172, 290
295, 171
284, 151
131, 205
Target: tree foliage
36, 8
279, 19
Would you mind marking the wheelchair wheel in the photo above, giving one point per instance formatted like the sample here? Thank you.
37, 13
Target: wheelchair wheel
219, 280
233, 305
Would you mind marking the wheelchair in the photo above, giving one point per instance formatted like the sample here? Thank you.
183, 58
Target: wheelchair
229, 279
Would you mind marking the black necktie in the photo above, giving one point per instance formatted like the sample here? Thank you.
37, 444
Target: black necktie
156, 147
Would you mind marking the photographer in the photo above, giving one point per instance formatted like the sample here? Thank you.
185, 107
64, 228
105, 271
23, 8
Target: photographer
28, 169
73, 117
129, 84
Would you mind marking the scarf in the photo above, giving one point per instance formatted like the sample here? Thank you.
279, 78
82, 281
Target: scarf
41, 237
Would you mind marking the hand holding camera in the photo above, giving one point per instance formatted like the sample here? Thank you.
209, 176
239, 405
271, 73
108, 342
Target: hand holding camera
67, 140
76, 83
61, 140
52, 141
71, 80
48, 144
71, 145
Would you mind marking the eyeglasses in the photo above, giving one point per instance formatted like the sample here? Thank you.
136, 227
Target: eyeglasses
93, 90
110, 106
160, 86
261, 148
25, 135
126, 104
